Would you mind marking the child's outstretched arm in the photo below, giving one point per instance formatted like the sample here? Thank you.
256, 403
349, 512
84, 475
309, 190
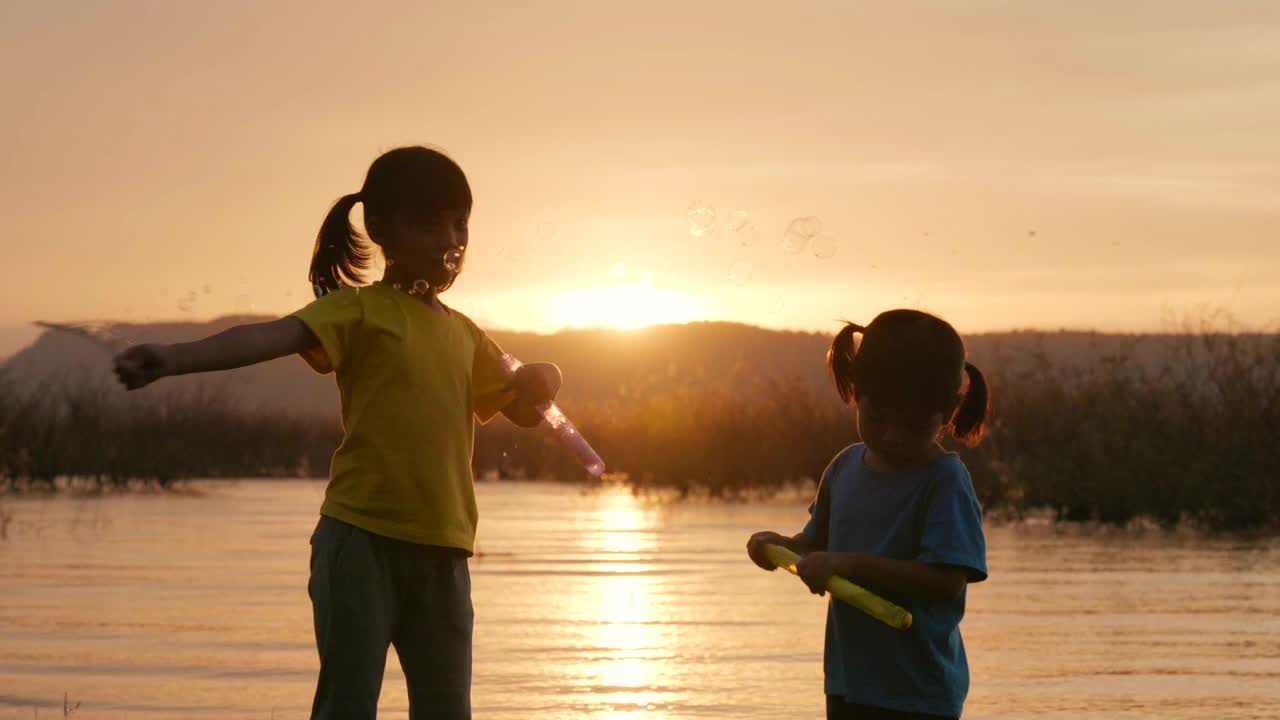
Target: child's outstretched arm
235, 347
535, 385
914, 578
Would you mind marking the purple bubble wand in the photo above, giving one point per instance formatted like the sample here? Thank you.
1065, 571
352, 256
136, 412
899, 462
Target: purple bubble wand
562, 427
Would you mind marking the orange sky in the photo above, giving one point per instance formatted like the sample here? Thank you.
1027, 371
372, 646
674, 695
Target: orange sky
1003, 164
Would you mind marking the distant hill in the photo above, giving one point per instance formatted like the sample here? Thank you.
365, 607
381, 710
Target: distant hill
597, 363
14, 338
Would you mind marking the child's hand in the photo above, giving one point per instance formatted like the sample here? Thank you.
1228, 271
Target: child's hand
816, 568
536, 384
755, 548
142, 365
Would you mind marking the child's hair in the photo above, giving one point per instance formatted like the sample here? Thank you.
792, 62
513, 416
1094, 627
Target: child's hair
416, 183
911, 361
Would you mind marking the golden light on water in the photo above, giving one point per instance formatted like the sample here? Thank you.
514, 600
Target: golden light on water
626, 306
626, 676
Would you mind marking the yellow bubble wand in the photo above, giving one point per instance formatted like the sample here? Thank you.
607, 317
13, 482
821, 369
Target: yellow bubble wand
845, 591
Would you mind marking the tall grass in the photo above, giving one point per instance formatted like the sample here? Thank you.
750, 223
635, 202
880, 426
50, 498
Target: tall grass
90, 436
1190, 436
1193, 436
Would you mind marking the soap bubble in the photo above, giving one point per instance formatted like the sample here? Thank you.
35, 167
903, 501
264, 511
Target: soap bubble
794, 240
794, 244
453, 260
799, 232
702, 219
207, 288
825, 247
743, 229
740, 272
187, 302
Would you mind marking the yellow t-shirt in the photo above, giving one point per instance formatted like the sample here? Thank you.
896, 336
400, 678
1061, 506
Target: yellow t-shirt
410, 380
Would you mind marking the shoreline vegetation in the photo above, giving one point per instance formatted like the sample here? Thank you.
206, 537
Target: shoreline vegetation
1189, 439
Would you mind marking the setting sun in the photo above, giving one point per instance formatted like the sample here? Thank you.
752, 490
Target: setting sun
626, 306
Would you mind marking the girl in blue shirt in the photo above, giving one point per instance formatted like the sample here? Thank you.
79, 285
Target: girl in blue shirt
897, 514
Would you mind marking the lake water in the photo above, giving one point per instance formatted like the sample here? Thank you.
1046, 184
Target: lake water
594, 604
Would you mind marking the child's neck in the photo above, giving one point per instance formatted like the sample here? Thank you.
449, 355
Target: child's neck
880, 463
427, 297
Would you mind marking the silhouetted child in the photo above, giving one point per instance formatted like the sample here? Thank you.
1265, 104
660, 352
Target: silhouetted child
389, 554
897, 514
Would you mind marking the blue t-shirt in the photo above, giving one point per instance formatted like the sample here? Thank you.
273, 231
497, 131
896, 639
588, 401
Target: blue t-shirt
929, 513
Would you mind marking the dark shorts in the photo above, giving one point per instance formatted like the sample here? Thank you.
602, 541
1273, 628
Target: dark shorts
370, 592
838, 709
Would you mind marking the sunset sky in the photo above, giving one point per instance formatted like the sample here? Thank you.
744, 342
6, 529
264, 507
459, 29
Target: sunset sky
1003, 164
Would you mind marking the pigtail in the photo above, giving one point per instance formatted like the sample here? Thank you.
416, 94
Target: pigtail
840, 360
970, 419
341, 253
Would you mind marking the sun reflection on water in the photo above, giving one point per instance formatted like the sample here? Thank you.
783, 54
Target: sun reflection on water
621, 610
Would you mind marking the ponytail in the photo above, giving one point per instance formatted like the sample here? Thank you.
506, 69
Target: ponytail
840, 360
970, 419
341, 253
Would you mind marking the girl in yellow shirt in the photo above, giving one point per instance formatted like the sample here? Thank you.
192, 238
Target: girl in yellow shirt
389, 553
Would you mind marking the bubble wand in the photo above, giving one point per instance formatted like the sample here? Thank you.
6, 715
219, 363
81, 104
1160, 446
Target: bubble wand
562, 427
845, 591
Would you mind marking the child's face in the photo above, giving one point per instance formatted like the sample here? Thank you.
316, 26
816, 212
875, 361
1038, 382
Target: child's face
900, 438
429, 248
